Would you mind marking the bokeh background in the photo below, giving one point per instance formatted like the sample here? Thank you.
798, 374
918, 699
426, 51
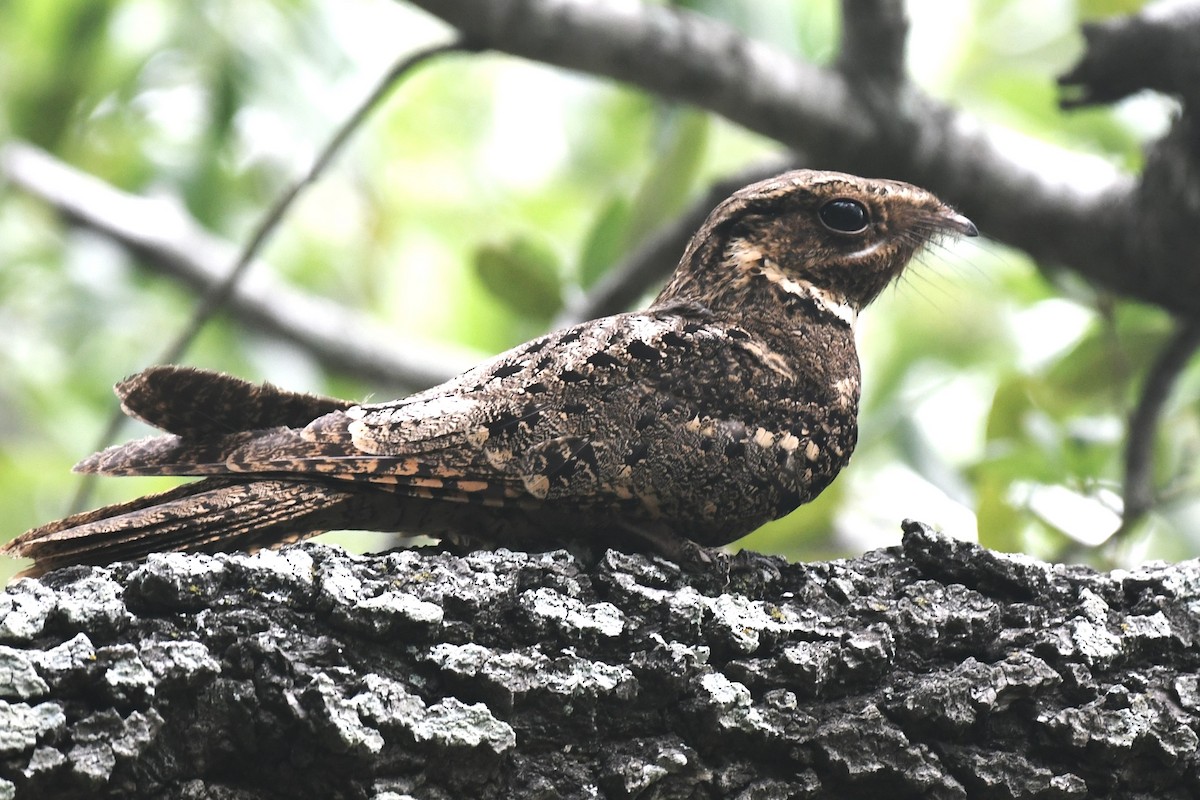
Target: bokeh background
996, 392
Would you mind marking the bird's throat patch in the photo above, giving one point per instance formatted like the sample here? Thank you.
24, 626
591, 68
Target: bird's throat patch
751, 262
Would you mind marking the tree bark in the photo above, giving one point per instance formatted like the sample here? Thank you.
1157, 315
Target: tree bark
936, 669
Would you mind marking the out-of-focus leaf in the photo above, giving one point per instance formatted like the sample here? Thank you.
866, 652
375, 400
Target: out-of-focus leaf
1010, 403
1097, 369
523, 274
1093, 9
1017, 461
999, 523
669, 183
609, 138
605, 242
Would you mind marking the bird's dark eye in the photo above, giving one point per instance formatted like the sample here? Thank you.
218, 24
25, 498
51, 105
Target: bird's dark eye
844, 216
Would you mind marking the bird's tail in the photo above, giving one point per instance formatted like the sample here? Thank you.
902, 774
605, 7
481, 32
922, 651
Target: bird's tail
210, 515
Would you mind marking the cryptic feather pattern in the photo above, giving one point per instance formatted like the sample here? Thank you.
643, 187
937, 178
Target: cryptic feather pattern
728, 402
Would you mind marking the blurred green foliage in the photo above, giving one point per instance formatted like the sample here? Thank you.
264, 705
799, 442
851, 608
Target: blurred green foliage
487, 190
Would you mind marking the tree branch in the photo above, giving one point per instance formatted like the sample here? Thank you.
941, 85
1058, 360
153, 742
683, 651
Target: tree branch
162, 233
1157, 48
936, 670
874, 33
1060, 206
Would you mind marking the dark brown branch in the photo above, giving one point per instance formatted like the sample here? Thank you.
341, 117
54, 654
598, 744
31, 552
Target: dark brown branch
1157, 49
874, 33
167, 239
1062, 207
1140, 494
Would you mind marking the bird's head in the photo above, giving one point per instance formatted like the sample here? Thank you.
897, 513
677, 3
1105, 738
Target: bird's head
838, 238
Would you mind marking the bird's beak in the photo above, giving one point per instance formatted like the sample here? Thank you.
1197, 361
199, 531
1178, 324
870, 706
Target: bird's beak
961, 224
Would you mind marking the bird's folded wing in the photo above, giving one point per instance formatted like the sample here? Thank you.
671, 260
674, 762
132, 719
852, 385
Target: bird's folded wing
518, 426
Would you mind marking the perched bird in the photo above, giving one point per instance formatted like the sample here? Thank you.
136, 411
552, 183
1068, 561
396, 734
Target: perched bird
727, 403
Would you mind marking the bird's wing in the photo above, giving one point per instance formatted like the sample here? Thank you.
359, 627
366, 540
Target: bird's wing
528, 423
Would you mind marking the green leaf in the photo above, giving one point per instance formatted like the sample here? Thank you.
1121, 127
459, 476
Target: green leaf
523, 274
1010, 404
669, 183
999, 523
1096, 372
605, 243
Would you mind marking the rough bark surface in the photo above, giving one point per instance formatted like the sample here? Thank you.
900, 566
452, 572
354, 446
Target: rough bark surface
935, 669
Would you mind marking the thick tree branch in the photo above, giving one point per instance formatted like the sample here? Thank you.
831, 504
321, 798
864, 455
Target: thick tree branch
1157, 48
162, 234
874, 33
933, 670
1060, 206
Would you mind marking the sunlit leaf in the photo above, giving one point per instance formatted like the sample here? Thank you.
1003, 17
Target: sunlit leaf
999, 523
1010, 403
1097, 369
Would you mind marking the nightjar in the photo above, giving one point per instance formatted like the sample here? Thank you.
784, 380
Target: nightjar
728, 402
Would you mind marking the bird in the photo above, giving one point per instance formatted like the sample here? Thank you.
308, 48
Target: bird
729, 401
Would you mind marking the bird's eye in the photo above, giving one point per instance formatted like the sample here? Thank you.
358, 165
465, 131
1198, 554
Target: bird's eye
844, 216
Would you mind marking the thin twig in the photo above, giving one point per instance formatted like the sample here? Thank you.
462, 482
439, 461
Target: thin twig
219, 294
1143, 423
160, 233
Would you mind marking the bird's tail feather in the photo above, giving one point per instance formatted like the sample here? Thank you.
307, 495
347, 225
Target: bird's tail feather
206, 516
197, 404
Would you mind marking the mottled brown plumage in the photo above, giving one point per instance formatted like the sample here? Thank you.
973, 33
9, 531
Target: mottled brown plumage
728, 402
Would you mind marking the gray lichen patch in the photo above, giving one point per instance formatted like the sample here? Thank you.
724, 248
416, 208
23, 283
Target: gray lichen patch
279, 575
390, 613
570, 618
19, 679
510, 677
392, 709
104, 738
183, 663
872, 751
173, 581
336, 717
1123, 722
65, 663
23, 726
126, 679
94, 603
634, 771
25, 605
456, 724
